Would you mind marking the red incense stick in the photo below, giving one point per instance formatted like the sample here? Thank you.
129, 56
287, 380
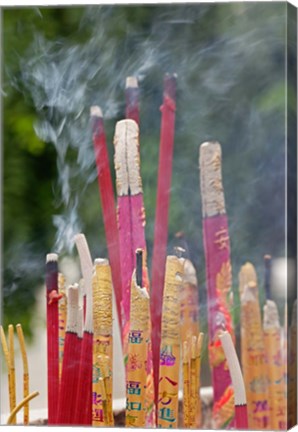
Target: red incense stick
132, 99
218, 274
241, 417
161, 216
70, 365
107, 201
52, 335
83, 411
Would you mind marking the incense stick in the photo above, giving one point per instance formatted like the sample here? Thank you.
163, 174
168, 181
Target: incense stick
189, 303
107, 202
62, 317
12, 366
132, 99
52, 335
25, 371
274, 367
170, 345
292, 369
24, 402
83, 411
70, 366
161, 215
218, 276
241, 419
267, 265
193, 383
186, 381
198, 374
102, 338
137, 356
7, 359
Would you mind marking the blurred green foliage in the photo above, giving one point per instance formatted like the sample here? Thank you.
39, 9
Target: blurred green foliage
235, 93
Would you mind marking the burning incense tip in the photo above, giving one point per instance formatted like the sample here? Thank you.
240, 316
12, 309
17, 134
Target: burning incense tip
95, 111
101, 261
271, 318
131, 82
51, 257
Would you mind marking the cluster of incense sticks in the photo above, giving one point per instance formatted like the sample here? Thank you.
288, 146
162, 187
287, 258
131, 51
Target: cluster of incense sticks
9, 355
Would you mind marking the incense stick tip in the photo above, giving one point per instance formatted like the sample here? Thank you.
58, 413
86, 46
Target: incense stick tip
131, 82
95, 111
271, 318
101, 261
51, 257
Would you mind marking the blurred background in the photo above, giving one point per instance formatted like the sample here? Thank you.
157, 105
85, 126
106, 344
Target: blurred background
230, 62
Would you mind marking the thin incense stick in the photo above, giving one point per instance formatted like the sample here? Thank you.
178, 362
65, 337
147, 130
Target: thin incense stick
12, 366
218, 276
62, 317
137, 356
52, 335
198, 374
25, 371
7, 359
241, 420
105, 361
292, 369
24, 402
186, 389
102, 339
83, 412
70, 366
170, 345
164, 179
189, 303
267, 265
193, 383
107, 202
132, 99
253, 360
274, 367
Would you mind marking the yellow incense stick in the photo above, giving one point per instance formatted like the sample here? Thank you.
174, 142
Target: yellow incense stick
275, 368
12, 366
102, 338
105, 361
170, 345
198, 374
193, 383
186, 392
25, 371
137, 356
25, 401
189, 303
62, 317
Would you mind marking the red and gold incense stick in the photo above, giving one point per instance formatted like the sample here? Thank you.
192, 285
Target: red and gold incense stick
132, 99
62, 317
71, 358
218, 277
102, 343
170, 345
83, 412
241, 419
137, 356
164, 179
275, 368
107, 202
52, 299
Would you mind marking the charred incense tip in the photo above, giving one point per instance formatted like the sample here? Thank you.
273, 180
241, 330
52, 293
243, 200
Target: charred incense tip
127, 158
131, 82
213, 201
271, 317
51, 257
234, 368
170, 85
95, 111
139, 267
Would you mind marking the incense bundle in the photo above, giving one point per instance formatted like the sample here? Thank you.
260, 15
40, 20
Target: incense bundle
170, 345
275, 368
137, 356
71, 358
102, 345
218, 276
292, 366
132, 99
25, 371
107, 202
189, 303
253, 359
83, 411
52, 335
62, 317
164, 179
241, 419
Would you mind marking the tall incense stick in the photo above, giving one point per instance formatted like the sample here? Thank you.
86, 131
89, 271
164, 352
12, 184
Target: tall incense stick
52, 335
62, 317
107, 202
25, 371
218, 275
164, 179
